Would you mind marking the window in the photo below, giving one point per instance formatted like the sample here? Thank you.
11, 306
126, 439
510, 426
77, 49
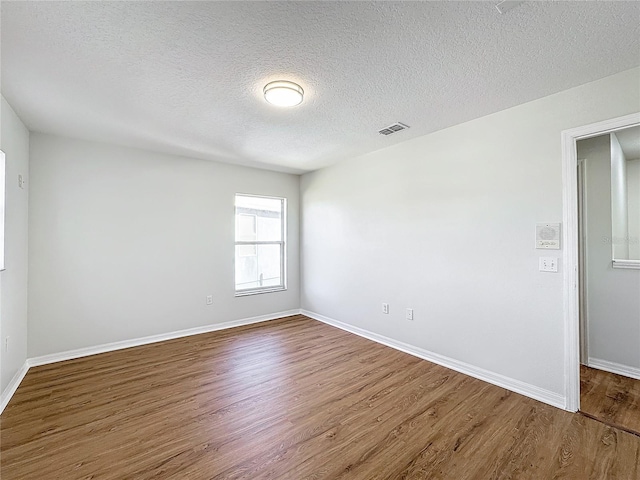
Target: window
2, 206
247, 232
260, 244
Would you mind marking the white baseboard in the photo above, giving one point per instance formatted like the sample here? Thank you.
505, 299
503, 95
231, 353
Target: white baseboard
13, 386
526, 389
613, 367
110, 347
136, 342
517, 386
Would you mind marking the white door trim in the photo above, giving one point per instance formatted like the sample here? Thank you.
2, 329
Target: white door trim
570, 240
582, 261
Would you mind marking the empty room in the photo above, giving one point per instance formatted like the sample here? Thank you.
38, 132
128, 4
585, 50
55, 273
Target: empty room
320, 240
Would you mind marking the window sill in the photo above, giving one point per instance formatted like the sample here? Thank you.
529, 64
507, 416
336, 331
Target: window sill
244, 293
630, 264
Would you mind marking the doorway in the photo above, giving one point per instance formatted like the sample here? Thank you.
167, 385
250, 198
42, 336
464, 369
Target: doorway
575, 291
608, 176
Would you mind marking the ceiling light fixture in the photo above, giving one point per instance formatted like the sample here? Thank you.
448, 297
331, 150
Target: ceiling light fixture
282, 93
506, 5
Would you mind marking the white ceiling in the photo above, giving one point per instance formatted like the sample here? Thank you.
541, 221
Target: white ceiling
186, 77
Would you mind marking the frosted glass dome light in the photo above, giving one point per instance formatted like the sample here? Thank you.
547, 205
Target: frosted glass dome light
283, 94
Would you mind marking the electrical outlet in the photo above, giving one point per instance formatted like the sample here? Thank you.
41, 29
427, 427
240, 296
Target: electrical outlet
6, 344
548, 264
385, 308
209, 299
20, 181
409, 313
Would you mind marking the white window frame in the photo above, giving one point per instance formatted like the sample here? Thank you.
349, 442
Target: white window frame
281, 243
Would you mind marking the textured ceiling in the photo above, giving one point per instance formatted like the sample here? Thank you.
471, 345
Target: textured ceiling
186, 77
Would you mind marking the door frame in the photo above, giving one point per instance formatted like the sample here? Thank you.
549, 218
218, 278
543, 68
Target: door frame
571, 280
582, 259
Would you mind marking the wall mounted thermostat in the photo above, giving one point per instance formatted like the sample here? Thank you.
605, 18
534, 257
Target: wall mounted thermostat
548, 236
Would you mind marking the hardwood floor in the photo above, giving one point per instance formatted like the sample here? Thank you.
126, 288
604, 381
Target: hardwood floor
291, 399
610, 398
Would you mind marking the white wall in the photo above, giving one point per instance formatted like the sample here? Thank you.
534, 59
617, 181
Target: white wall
633, 190
618, 189
613, 294
125, 243
14, 142
445, 224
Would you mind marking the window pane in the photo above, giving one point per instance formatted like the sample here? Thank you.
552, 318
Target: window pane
246, 251
246, 227
263, 269
267, 215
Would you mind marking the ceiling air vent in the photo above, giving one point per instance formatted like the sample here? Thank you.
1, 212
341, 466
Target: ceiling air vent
396, 127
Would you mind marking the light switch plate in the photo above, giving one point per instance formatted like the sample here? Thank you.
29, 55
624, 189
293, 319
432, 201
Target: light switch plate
548, 264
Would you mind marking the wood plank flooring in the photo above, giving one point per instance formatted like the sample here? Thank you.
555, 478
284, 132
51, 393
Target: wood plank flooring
610, 398
291, 399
